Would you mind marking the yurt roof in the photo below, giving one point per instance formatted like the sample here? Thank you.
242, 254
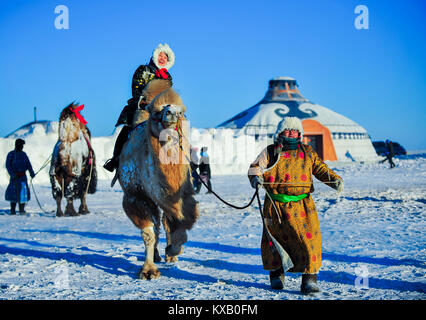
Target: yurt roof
284, 99
27, 129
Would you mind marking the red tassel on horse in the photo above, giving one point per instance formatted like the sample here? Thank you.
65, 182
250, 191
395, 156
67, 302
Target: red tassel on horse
76, 111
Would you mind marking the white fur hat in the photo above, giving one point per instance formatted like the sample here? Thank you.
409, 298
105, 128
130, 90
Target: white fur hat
170, 54
289, 123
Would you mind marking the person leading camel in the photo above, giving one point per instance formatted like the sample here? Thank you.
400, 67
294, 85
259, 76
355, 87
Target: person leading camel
162, 60
17, 163
285, 169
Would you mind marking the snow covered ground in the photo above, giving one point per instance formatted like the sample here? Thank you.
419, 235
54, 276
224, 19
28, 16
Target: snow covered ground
373, 244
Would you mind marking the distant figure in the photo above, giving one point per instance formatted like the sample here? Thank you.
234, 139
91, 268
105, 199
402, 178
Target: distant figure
195, 160
348, 155
204, 168
17, 163
389, 153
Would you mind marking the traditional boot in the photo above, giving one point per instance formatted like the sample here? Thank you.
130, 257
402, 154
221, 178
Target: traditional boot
112, 163
13, 208
309, 283
22, 208
276, 278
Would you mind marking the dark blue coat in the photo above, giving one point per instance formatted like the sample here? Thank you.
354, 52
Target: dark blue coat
17, 163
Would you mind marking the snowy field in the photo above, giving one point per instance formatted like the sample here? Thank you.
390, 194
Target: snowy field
373, 244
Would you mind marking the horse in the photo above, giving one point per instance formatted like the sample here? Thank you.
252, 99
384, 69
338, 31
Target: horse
73, 166
150, 182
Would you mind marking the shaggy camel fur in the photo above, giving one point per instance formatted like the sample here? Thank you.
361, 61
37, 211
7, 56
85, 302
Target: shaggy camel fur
154, 175
73, 167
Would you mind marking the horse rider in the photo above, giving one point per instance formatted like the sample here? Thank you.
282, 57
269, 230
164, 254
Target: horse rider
162, 60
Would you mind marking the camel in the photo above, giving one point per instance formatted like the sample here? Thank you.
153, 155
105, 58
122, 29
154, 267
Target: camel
73, 167
152, 179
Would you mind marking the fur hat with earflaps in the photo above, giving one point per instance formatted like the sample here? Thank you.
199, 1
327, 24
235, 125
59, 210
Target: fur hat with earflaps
170, 54
290, 123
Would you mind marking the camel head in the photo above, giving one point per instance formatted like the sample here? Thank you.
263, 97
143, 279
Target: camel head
166, 108
166, 118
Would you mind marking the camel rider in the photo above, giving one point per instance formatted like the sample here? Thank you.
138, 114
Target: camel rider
161, 61
285, 169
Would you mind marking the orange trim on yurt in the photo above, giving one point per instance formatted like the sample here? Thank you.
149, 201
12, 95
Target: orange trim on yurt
314, 128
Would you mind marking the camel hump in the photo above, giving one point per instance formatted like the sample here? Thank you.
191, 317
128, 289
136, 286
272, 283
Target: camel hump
154, 88
166, 97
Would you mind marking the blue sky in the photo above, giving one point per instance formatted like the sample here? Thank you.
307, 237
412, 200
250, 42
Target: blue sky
226, 51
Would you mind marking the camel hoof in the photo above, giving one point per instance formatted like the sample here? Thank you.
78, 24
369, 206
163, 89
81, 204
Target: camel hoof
170, 259
83, 211
71, 213
149, 273
172, 250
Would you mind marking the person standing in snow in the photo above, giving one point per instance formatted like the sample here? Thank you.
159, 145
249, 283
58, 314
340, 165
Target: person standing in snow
17, 163
390, 153
285, 170
204, 167
162, 60
194, 163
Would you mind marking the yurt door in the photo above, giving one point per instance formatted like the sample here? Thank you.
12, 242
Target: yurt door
316, 142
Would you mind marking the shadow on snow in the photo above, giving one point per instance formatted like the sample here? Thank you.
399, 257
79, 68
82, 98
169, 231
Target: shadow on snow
118, 237
115, 265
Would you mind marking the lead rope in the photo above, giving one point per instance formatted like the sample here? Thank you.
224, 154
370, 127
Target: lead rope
273, 203
180, 134
90, 175
287, 263
35, 195
91, 165
32, 185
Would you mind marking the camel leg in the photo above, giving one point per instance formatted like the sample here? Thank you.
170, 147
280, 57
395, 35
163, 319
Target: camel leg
149, 270
166, 227
176, 229
157, 257
176, 237
57, 195
83, 209
69, 209
59, 212
145, 214
69, 195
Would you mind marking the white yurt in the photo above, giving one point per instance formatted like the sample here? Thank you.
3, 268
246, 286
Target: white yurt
332, 135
